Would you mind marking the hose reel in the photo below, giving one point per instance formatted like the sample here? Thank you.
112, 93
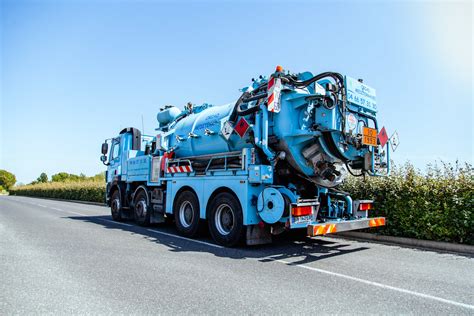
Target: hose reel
271, 205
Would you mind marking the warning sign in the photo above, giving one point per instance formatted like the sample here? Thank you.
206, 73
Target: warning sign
227, 130
351, 122
369, 136
394, 141
274, 91
241, 127
383, 137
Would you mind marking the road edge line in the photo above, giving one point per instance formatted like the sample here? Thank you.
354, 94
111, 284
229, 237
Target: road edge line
62, 200
381, 285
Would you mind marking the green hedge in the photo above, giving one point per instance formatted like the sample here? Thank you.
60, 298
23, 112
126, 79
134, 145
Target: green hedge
92, 191
436, 205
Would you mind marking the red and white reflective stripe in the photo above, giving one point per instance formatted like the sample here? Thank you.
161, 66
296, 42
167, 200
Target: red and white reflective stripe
377, 222
324, 229
274, 91
177, 169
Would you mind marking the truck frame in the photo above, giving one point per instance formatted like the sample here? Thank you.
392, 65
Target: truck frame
152, 189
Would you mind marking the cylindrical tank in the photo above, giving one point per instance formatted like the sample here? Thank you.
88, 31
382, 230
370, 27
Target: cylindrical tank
199, 133
313, 135
167, 115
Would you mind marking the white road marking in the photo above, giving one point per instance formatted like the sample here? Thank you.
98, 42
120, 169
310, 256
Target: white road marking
372, 283
188, 239
70, 212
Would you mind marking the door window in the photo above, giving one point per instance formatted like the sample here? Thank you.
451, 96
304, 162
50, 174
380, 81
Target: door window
115, 150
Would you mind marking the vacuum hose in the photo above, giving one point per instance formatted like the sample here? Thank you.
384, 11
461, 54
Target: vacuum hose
252, 96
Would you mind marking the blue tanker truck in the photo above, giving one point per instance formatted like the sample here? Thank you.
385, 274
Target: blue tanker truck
268, 163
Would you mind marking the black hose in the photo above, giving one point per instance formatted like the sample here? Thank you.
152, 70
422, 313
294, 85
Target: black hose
305, 83
244, 98
248, 111
353, 174
234, 115
255, 97
251, 96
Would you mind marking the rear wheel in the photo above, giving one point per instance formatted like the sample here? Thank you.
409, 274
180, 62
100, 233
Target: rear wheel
226, 220
186, 214
116, 206
141, 212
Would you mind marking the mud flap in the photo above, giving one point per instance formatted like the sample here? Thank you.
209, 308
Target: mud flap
127, 213
157, 215
257, 235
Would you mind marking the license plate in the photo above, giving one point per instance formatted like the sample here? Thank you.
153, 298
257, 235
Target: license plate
369, 136
301, 219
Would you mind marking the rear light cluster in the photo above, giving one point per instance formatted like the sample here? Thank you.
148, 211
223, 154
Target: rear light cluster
365, 206
302, 210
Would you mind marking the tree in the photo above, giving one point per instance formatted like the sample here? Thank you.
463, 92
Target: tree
60, 177
73, 177
7, 179
43, 178
65, 177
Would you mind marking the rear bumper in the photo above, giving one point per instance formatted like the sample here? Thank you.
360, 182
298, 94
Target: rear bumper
334, 227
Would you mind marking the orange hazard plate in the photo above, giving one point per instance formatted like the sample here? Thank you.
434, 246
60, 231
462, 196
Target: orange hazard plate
369, 136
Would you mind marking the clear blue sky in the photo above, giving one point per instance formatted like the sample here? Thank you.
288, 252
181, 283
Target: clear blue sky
76, 72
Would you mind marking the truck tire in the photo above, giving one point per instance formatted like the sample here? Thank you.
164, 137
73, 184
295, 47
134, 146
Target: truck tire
186, 214
116, 206
226, 222
141, 211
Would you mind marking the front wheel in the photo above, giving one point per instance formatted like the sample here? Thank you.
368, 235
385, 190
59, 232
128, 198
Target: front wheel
226, 220
116, 206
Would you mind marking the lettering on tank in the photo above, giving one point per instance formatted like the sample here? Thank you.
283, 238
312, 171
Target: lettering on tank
211, 120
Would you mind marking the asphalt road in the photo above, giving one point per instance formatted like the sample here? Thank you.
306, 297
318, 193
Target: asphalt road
63, 258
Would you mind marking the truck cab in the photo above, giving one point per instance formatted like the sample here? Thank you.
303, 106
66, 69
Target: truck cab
127, 159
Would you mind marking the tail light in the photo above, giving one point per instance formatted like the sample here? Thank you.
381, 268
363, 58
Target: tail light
365, 206
301, 210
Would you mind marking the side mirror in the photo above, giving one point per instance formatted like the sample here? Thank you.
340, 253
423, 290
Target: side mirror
105, 149
103, 158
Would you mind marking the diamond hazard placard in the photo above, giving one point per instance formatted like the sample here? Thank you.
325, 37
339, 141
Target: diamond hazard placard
241, 127
383, 137
227, 130
394, 141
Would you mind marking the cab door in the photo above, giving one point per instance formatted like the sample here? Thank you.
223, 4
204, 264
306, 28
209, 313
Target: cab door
115, 165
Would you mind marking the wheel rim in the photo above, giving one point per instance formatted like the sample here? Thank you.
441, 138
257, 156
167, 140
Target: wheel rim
140, 208
186, 214
224, 219
115, 206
